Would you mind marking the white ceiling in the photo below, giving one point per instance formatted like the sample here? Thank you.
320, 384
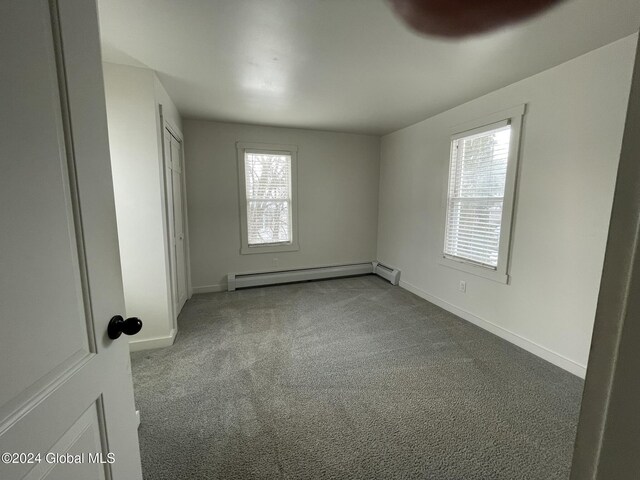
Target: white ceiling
344, 65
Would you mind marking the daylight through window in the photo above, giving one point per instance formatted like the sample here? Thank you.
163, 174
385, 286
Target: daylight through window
268, 190
476, 190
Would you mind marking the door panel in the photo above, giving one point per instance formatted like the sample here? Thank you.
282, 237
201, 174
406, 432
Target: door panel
83, 439
175, 214
170, 222
65, 385
178, 215
87, 111
180, 245
36, 199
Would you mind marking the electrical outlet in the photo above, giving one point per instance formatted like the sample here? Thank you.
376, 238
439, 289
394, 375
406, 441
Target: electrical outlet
462, 287
275, 261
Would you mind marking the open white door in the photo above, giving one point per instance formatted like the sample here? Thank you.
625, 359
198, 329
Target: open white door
66, 397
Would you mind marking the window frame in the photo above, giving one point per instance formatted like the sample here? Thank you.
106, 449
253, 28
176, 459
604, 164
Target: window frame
513, 117
292, 150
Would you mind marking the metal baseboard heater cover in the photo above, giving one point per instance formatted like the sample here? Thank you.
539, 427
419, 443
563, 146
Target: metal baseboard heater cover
244, 280
388, 273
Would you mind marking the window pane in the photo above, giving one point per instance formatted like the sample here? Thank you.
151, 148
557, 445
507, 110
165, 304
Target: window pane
477, 179
268, 184
473, 230
268, 176
268, 222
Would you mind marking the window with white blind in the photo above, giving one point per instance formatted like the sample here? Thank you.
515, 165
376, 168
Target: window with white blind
480, 191
267, 197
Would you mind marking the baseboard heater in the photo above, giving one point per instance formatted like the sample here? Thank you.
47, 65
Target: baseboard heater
244, 280
388, 273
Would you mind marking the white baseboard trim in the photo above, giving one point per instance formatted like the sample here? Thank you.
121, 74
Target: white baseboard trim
532, 347
221, 287
154, 342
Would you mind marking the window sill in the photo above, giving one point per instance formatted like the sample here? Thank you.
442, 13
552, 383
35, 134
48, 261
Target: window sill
473, 269
284, 247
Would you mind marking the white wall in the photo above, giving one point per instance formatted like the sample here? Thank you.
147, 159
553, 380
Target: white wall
132, 98
338, 178
169, 110
569, 155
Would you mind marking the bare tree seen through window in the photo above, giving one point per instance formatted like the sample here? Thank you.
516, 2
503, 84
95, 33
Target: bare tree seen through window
268, 187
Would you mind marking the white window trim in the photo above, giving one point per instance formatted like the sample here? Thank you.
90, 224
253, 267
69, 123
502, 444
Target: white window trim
501, 273
292, 150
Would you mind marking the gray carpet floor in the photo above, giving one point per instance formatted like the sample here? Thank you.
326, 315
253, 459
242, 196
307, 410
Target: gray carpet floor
349, 378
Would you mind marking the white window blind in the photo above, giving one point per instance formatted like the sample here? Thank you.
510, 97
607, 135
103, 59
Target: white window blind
477, 177
268, 190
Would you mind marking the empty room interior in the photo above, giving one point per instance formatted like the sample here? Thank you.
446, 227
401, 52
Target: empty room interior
357, 239
464, 357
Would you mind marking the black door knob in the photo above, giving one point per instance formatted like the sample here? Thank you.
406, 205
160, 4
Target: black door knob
118, 326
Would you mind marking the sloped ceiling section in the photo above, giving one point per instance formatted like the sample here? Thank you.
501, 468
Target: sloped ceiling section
334, 64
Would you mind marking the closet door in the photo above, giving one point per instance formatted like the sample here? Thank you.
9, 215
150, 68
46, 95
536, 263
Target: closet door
178, 224
176, 219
